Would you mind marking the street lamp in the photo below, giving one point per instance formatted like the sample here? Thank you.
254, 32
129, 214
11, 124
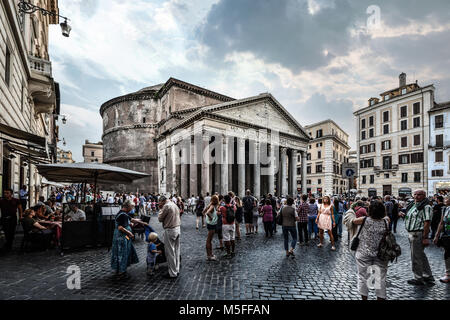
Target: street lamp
26, 7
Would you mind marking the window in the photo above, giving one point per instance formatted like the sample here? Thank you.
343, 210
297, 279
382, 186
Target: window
439, 140
371, 133
386, 145
387, 162
363, 123
372, 179
437, 173
439, 121
405, 177
7, 66
404, 125
92, 153
386, 129
439, 156
386, 175
416, 108
319, 181
386, 116
416, 176
308, 169
403, 159
386, 97
318, 168
308, 181
417, 139
404, 91
143, 120
403, 111
416, 122
417, 157
363, 135
319, 133
319, 154
308, 156
370, 121
404, 142
363, 179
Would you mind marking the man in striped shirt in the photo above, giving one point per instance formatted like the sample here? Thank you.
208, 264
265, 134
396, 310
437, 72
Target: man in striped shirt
417, 222
302, 224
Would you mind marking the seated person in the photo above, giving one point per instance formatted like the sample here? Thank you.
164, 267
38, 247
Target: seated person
31, 225
75, 214
40, 212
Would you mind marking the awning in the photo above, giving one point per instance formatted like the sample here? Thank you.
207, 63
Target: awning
27, 151
22, 135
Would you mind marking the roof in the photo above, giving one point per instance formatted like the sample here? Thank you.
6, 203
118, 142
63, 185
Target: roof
323, 122
440, 106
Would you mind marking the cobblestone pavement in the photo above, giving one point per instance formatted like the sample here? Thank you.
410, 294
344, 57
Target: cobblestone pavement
259, 270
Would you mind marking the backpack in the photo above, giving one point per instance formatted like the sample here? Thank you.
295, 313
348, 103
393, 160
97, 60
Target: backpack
248, 204
230, 217
388, 249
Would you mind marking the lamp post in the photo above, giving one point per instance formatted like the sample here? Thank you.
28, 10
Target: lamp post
29, 8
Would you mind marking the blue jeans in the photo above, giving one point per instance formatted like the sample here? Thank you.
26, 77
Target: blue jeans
312, 226
339, 224
293, 232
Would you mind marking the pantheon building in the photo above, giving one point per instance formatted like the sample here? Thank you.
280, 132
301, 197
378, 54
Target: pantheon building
192, 140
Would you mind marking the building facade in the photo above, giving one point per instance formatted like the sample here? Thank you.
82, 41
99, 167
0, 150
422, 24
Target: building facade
93, 152
392, 143
439, 150
327, 151
192, 141
64, 156
29, 97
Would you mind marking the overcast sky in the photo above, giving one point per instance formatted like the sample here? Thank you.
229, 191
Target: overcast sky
320, 58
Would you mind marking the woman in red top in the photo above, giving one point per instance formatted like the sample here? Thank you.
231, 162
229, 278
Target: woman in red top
267, 215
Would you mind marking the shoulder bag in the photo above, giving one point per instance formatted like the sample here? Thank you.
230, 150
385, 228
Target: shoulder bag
355, 241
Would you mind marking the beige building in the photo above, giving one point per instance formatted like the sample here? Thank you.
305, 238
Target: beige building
392, 140
29, 97
327, 151
65, 156
93, 152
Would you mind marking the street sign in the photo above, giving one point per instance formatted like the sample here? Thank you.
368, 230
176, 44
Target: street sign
349, 170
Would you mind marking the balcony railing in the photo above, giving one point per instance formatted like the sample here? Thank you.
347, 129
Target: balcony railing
41, 66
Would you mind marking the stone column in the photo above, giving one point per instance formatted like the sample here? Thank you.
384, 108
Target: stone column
174, 169
304, 165
256, 171
241, 166
193, 171
205, 166
271, 186
293, 172
185, 159
224, 178
283, 172
217, 174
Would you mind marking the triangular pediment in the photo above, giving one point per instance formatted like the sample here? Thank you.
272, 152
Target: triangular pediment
262, 111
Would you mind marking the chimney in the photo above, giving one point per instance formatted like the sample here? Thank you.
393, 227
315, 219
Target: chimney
402, 79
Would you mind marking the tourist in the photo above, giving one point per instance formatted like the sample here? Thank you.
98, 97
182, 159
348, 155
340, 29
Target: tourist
359, 208
273, 202
211, 226
23, 197
169, 216
200, 206
289, 217
31, 225
228, 226
207, 200
249, 203
389, 206
302, 224
312, 216
180, 205
267, 217
239, 215
9, 207
417, 223
372, 230
395, 212
336, 217
152, 252
443, 239
255, 216
437, 214
325, 221
75, 214
123, 253
349, 217
219, 230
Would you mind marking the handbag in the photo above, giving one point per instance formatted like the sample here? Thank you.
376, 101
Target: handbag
355, 241
279, 219
444, 241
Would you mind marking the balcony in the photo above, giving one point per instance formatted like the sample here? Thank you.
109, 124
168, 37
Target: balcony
40, 66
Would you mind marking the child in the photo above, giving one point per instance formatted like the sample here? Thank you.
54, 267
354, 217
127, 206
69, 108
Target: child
152, 252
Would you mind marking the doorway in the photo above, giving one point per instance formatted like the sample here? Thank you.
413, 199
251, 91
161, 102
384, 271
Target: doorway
387, 190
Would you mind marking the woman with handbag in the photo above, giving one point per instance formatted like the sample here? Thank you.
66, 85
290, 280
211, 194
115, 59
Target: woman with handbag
443, 240
366, 243
325, 221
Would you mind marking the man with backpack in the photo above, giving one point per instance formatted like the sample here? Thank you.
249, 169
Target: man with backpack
249, 203
228, 213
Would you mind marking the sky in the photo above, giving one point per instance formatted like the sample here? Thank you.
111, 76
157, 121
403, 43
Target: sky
321, 59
